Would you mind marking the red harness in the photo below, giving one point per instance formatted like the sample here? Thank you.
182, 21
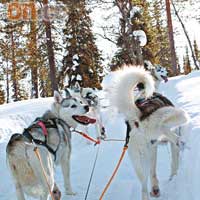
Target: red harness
43, 127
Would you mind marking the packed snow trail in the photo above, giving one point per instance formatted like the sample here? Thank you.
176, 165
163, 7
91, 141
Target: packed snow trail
182, 90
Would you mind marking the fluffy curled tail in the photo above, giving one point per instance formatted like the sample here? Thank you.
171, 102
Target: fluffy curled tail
120, 88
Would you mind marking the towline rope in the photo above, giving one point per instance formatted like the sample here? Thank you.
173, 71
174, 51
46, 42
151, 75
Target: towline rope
37, 153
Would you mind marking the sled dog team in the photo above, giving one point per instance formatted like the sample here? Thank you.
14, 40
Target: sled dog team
149, 117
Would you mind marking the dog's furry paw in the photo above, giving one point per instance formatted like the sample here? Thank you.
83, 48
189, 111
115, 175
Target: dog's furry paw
155, 192
70, 192
56, 192
103, 133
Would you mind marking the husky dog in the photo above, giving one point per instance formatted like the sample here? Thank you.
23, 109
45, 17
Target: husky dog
158, 72
132, 89
54, 144
89, 96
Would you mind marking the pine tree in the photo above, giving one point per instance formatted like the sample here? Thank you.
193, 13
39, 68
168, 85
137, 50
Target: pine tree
82, 61
196, 50
129, 50
153, 23
17, 60
33, 59
187, 64
2, 92
160, 38
5, 61
171, 37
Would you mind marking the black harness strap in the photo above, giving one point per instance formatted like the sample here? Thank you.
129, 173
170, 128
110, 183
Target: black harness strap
128, 130
47, 124
27, 134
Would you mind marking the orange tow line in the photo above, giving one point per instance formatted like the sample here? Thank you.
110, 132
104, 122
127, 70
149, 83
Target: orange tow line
37, 153
88, 137
114, 173
119, 162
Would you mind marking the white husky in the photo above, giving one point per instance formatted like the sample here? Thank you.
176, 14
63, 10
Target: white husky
133, 85
89, 96
51, 135
158, 72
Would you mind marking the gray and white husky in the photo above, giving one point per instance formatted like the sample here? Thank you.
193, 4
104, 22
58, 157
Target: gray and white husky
134, 85
158, 72
89, 96
54, 148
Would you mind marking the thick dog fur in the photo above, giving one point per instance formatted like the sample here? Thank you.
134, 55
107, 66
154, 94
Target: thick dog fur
142, 149
25, 166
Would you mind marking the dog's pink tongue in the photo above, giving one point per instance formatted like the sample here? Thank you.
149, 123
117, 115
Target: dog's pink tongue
91, 121
86, 119
165, 78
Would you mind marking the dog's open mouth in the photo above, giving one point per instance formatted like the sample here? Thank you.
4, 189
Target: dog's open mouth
164, 78
84, 119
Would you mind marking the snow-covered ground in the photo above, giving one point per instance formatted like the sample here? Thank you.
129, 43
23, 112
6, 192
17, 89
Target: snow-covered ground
182, 90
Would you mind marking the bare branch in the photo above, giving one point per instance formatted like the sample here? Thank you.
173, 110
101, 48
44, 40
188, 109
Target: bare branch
106, 38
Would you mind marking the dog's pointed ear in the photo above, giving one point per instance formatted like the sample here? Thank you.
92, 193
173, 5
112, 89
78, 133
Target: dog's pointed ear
67, 93
57, 97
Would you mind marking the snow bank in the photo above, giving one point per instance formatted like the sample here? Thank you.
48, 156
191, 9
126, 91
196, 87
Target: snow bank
182, 90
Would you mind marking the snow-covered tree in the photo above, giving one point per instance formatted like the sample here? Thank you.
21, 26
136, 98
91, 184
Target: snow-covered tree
161, 50
129, 50
82, 60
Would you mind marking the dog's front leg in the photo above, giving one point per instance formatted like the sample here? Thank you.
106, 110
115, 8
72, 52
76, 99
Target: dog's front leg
100, 130
65, 165
142, 168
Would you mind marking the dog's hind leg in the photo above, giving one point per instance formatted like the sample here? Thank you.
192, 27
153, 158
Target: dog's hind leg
19, 191
18, 187
65, 165
45, 197
155, 191
174, 159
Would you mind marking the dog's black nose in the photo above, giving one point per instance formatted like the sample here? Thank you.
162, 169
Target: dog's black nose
86, 108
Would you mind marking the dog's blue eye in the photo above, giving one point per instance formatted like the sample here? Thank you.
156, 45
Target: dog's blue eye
73, 106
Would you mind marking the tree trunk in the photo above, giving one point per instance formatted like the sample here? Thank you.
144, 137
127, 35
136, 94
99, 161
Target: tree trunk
187, 36
50, 50
171, 38
14, 69
34, 67
7, 82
